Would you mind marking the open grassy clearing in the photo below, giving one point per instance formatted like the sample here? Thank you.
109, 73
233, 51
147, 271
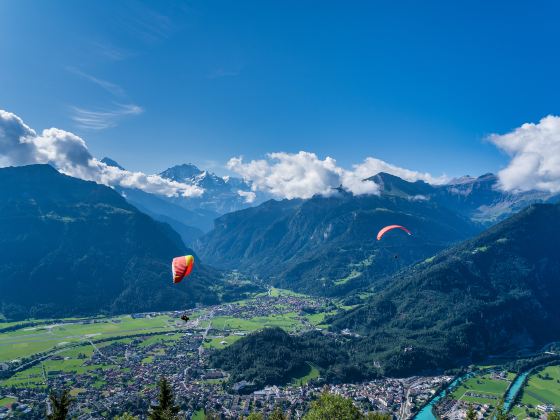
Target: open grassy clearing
275, 292
217, 342
7, 401
543, 387
28, 341
483, 389
198, 415
35, 377
317, 318
73, 360
312, 373
288, 321
160, 339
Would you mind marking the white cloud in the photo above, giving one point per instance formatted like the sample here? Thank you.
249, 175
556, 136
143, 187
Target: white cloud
535, 156
21, 145
303, 174
15, 146
299, 175
102, 119
249, 196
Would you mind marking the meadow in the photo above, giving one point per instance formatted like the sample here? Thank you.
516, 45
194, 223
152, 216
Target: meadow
483, 389
541, 388
26, 342
71, 360
310, 374
289, 321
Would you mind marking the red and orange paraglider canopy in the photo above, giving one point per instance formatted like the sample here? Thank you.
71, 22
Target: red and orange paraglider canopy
182, 267
391, 227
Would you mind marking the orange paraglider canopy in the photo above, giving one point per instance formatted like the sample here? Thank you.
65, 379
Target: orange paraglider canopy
391, 227
182, 267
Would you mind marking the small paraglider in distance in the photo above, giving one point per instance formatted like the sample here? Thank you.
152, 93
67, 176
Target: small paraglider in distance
386, 229
185, 318
391, 227
181, 267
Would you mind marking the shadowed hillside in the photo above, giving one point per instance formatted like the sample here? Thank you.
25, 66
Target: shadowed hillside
73, 247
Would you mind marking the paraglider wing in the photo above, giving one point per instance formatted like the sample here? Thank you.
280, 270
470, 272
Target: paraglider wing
391, 227
182, 267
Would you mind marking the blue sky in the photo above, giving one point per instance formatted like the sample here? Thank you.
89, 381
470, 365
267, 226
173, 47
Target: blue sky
151, 84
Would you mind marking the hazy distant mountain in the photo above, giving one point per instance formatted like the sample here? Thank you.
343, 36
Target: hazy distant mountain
496, 293
327, 245
74, 247
190, 224
221, 195
479, 199
191, 216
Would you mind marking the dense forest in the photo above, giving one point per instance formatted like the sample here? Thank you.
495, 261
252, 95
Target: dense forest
496, 293
272, 356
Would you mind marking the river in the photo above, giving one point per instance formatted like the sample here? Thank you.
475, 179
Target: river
514, 389
427, 414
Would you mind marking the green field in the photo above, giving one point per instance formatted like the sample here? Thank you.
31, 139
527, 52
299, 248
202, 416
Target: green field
288, 321
354, 274
198, 415
275, 292
28, 341
35, 375
160, 339
73, 360
542, 387
216, 342
316, 319
312, 373
6, 402
483, 389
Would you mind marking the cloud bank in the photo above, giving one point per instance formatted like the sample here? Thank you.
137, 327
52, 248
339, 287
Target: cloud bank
21, 145
304, 174
535, 156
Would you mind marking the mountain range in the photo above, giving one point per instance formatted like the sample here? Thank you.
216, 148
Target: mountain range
495, 294
71, 247
461, 288
221, 194
192, 216
327, 245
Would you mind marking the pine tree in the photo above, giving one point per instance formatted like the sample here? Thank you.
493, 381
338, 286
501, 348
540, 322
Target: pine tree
333, 407
500, 413
378, 416
255, 416
60, 405
277, 414
126, 416
471, 414
166, 408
